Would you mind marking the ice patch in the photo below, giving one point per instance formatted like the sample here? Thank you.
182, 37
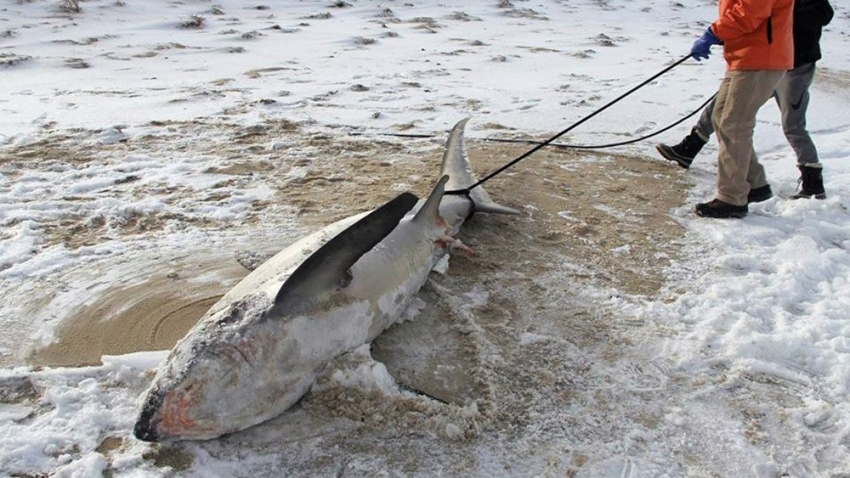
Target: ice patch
442, 265
13, 413
528, 338
624, 249
356, 369
416, 305
136, 360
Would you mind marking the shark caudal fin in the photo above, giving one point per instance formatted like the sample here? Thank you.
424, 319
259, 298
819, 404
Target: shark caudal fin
326, 270
456, 166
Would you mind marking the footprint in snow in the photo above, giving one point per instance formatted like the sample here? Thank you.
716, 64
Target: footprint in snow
529, 104
646, 127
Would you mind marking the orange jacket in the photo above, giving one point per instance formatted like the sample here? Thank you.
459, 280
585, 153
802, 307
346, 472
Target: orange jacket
756, 34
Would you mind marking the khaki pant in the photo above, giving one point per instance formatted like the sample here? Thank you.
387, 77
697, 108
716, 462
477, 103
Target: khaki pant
741, 95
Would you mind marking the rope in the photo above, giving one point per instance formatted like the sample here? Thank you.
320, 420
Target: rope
609, 145
568, 129
561, 145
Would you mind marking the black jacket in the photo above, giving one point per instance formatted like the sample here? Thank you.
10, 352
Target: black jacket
810, 16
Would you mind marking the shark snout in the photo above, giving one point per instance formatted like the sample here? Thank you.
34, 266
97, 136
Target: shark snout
147, 425
145, 430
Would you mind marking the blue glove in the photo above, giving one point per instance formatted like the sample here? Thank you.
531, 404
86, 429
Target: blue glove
702, 47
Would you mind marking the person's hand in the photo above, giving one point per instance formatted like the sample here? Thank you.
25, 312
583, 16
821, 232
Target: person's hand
702, 47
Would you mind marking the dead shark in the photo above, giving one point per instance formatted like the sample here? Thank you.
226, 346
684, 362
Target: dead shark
259, 349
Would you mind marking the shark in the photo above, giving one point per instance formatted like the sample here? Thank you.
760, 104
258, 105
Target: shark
259, 349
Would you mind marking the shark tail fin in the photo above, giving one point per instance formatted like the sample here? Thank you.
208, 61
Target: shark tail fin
456, 165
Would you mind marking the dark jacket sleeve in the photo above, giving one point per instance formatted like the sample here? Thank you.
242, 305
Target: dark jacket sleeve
816, 12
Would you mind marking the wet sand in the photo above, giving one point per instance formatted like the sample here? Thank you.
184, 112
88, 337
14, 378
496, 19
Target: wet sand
149, 315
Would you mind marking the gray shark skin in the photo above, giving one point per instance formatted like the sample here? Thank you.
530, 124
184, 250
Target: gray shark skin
259, 349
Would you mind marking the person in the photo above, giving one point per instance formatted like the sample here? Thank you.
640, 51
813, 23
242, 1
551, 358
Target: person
792, 97
757, 44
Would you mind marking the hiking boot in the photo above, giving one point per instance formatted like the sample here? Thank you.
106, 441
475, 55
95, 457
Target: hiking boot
684, 152
721, 210
812, 180
759, 194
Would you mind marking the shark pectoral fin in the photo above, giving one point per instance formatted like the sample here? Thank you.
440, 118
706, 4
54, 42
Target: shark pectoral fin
455, 246
327, 269
430, 211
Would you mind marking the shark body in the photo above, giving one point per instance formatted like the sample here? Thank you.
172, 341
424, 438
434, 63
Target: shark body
258, 350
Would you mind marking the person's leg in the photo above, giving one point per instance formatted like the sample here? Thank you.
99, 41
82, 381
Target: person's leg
792, 95
715, 207
704, 127
756, 176
719, 103
742, 94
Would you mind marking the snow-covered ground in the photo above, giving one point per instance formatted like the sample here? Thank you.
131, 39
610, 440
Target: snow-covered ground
142, 143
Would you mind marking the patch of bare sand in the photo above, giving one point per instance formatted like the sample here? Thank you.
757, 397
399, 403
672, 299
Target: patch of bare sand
149, 314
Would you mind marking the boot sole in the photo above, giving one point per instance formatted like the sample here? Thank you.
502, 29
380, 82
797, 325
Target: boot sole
702, 210
671, 155
724, 215
808, 196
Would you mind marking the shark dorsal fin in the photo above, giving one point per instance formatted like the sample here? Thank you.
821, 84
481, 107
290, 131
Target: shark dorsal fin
325, 270
430, 211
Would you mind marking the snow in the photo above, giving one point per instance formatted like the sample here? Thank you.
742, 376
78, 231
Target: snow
363, 373
78, 406
755, 306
